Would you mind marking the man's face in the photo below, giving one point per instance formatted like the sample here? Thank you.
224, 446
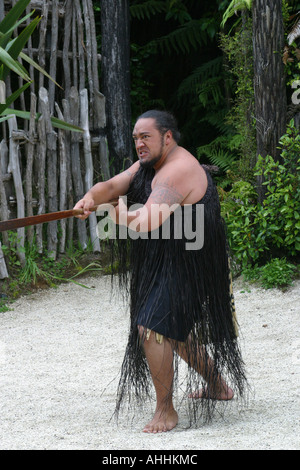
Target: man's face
149, 142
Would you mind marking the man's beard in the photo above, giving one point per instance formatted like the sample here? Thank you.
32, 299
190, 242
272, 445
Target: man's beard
154, 160
150, 163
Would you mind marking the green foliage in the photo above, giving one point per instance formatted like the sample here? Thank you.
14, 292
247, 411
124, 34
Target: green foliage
146, 10
198, 79
278, 273
239, 210
11, 251
42, 268
141, 87
223, 153
258, 231
206, 82
190, 32
280, 212
186, 37
206, 86
58, 123
238, 50
10, 50
3, 306
175, 64
291, 56
233, 7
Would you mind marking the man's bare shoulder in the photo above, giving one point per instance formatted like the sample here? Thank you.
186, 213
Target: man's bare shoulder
183, 175
182, 163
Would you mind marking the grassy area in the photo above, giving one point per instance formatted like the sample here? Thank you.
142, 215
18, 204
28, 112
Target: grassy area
42, 271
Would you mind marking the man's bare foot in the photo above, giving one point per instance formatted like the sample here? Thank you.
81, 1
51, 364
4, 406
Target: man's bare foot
224, 394
163, 420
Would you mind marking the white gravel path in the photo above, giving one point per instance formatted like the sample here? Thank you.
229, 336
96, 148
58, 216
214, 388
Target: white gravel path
61, 351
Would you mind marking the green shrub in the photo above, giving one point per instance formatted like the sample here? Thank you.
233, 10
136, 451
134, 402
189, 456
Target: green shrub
258, 232
279, 215
276, 273
239, 210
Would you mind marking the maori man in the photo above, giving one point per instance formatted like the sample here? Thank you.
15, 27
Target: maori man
181, 302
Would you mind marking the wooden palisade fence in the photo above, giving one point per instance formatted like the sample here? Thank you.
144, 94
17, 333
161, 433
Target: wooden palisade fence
44, 168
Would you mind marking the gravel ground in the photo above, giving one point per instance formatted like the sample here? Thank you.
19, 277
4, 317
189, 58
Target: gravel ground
60, 355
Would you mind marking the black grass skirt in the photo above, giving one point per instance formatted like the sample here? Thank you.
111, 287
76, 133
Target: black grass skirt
183, 295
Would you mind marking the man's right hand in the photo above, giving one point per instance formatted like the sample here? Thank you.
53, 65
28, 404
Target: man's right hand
85, 204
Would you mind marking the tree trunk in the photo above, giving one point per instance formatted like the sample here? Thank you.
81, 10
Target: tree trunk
269, 79
115, 72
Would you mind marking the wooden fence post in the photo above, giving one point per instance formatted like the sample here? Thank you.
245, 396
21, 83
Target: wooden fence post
51, 172
75, 164
84, 124
29, 165
62, 180
70, 195
53, 54
3, 215
41, 169
4, 212
3, 269
14, 168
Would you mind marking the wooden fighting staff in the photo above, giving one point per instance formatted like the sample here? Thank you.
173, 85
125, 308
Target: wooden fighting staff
49, 217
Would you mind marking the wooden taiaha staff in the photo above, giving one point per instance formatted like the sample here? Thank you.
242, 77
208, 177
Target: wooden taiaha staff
49, 217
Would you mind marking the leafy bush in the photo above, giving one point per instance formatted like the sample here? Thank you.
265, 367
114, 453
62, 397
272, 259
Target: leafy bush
239, 210
279, 215
276, 273
256, 231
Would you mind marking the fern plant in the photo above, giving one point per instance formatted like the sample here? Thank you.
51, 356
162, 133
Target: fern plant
222, 152
191, 39
146, 10
233, 7
185, 38
205, 81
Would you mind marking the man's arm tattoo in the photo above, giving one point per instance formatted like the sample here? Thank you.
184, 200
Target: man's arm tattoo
165, 193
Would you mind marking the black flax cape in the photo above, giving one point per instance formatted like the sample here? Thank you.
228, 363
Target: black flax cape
185, 295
